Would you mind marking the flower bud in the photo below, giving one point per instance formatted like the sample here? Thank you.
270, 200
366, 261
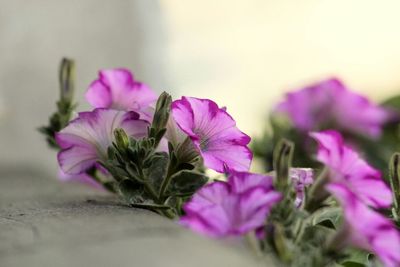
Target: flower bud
163, 109
394, 176
282, 160
121, 139
66, 79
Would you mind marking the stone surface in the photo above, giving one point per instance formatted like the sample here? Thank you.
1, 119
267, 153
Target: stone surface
46, 223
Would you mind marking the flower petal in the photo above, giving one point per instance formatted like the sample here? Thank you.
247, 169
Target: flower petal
244, 181
214, 133
77, 159
346, 167
312, 109
368, 229
86, 139
98, 95
117, 89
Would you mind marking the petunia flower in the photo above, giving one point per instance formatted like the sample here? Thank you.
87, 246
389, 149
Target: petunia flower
346, 167
301, 177
367, 229
214, 133
232, 208
330, 104
117, 89
85, 140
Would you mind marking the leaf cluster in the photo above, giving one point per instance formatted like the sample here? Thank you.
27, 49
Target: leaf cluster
147, 177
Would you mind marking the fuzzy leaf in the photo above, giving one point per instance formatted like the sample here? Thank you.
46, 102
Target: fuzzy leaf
157, 171
328, 217
356, 258
185, 183
131, 191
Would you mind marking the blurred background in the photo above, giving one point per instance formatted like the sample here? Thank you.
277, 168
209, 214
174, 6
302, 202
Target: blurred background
242, 54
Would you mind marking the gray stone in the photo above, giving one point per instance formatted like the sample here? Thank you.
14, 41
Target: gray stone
46, 223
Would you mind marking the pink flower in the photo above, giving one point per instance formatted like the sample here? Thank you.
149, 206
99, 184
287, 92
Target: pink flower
214, 133
85, 140
117, 89
301, 177
231, 208
346, 167
367, 229
330, 104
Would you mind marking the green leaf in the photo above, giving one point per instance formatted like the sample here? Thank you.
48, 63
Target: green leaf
157, 171
131, 191
185, 183
329, 217
150, 206
356, 258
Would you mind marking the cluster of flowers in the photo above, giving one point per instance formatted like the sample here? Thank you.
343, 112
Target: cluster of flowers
241, 204
119, 101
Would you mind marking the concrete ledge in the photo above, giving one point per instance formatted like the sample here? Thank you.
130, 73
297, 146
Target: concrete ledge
46, 223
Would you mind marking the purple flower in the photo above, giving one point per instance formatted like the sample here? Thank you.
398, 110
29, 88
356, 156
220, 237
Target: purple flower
117, 89
346, 167
231, 208
85, 140
330, 104
367, 229
301, 177
214, 133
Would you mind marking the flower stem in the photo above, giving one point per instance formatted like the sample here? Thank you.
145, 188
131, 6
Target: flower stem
166, 181
317, 193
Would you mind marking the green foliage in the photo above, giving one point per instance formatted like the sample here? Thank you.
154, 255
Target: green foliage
357, 258
186, 183
150, 179
330, 217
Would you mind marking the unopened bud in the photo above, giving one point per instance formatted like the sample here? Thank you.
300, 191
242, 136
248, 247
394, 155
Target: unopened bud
282, 161
163, 109
394, 176
66, 79
121, 138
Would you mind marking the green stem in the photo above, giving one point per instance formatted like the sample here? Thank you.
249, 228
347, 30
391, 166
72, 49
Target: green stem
396, 215
299, 231
317, 193
148, 187
166, 181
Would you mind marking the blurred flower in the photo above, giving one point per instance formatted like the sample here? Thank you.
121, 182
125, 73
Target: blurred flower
346, 167
231, 208
85, 140
329, 104
214, 133
301, 177
367, 229
117, 89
